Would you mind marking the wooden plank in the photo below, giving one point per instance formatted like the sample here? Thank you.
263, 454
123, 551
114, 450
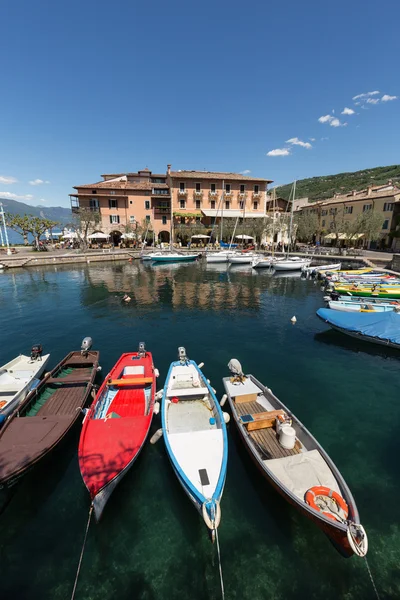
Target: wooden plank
264, 419
133, 381
245, 398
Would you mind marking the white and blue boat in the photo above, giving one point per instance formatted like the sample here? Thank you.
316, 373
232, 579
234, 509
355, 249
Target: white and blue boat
195, 437
173, 257
364, 307
379, 328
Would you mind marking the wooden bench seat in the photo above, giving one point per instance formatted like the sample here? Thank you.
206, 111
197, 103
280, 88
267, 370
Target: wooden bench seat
131, 381
261, 420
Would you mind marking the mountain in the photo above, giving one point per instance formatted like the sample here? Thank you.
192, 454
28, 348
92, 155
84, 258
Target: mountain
319, 188
61, 215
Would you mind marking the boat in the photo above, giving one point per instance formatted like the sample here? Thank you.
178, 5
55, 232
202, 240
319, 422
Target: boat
321, 269
228, 246
195, 437
375, 291
262, 262
359, 299
116, 425
291, 263
293, 462
242, 258
378, 328
362, 306
17, 377
218, 257
149, 256
47, 414
173, 257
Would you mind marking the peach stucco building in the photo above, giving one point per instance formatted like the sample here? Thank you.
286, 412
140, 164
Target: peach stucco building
183, 197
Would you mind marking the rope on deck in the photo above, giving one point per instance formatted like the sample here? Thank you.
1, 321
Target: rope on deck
219, 564
82, 551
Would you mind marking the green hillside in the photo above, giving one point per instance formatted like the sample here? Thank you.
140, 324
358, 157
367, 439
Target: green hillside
319, 188
61, 215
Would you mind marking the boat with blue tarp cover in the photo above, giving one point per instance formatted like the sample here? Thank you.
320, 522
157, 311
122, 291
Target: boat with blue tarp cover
378, 328
195, 437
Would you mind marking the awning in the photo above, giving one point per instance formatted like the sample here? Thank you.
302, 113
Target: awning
200, 235
70, 235
128, 236
243, 236
99, 235
231, 213
344, 236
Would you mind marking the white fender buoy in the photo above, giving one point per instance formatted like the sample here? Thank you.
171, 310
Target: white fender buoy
223, 400
201, 365
159, 394
293, 319
156, 436
208, 381
215, 391
156, 372
98, 369
227, 417
156, 408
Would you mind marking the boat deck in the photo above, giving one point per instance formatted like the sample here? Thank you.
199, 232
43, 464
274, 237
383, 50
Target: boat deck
64, 401
265, 440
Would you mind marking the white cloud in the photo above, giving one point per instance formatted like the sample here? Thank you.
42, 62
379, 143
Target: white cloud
366, 95
324, 138
387, 98
312, 139
357, 103
337, 123
245, 172
372, 100
10, 196
296, 142
38, 182
43, 200
333, 121
7, 180
279, 152
347, 111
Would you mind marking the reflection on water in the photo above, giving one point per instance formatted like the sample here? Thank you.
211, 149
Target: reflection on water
151, 543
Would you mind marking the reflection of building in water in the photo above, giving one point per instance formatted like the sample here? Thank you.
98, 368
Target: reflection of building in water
179, 287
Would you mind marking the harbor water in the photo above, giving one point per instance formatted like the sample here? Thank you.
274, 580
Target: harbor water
151, 543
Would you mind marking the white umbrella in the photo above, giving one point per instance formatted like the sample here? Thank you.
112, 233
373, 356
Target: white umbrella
243, 236
98, 235
70, 235
200, 235
128, 236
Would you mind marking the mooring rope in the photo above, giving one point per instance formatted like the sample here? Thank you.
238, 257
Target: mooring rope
82, 551
220, 566
372, 579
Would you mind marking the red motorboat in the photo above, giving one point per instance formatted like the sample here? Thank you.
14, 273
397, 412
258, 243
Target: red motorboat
116, 425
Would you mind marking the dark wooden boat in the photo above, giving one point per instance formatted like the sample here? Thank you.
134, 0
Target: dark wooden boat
46, 415
292, 460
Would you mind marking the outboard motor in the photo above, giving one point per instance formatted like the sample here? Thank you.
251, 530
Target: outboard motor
36, 352
142, 350
182, 355
87, 343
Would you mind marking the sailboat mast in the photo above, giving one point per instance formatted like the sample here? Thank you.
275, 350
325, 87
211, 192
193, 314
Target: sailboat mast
222, 207
273, 220
291, 217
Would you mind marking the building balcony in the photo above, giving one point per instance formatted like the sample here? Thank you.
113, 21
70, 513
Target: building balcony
242, 196
197, 194
228, 194
164, 209
156, 192
182, 193
213, 195
256, 195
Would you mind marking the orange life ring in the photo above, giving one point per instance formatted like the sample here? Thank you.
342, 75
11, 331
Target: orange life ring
320, 490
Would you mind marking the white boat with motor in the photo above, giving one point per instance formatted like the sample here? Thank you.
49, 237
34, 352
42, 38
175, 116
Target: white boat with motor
17, 377
293, 263
195, 437
363, 306
244, 258
312, 271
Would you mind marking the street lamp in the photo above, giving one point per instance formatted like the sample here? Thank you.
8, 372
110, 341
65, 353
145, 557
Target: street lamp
3, 223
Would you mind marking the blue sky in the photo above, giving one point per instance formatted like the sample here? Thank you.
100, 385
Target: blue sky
93, 87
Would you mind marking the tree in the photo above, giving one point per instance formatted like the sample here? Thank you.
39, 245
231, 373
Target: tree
87, 220
307, 226
39, 226
20, 224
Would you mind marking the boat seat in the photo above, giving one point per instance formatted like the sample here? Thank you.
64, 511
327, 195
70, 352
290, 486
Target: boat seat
126, 382
133, 370
261, 420
178, 392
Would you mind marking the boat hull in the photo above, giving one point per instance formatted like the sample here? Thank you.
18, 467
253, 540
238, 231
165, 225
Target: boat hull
218, 257
175, 258
368, 293
241, 260
290, 265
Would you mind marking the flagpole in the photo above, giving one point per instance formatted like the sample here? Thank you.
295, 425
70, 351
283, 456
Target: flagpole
5, 229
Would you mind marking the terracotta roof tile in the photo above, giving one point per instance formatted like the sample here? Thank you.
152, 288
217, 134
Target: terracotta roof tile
215, 176
123, 185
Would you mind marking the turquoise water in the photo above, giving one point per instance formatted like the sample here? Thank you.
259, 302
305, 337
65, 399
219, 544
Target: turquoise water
151, 543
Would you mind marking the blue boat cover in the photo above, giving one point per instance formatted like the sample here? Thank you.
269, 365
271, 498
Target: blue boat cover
384, 326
